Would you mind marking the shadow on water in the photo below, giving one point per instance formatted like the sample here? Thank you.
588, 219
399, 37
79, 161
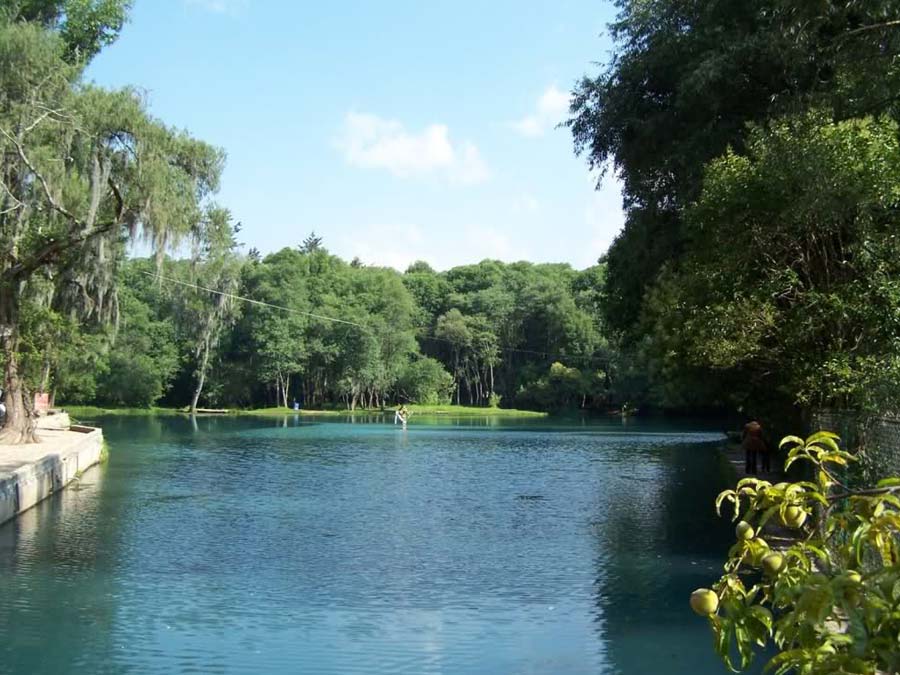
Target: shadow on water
661, 539
55, 584
295, 544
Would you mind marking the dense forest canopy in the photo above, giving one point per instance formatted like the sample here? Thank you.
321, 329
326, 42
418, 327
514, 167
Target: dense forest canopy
83, 171
757, 145
303, 324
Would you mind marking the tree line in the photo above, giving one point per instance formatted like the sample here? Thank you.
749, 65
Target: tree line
85, 172
222, 329
757, 145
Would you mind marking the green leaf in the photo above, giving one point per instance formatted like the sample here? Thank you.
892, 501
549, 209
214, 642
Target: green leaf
823, 436
793, 440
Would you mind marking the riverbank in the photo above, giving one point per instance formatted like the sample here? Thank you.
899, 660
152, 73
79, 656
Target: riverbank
31, 473
84, 412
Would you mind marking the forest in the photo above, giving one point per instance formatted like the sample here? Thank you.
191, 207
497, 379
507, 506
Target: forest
224, 329
758, 269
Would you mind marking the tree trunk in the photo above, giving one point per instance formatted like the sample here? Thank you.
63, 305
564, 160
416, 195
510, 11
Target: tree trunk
197, 390
20, 423
492, 378
45, 377
200, 380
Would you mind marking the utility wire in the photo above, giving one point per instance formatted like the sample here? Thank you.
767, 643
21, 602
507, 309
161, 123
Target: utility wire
570, 357
255, 302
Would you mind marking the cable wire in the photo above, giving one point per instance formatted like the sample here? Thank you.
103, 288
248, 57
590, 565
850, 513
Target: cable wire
547, 355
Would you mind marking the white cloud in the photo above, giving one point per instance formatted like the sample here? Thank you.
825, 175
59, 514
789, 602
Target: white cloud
550, 110
219, 6
371, 142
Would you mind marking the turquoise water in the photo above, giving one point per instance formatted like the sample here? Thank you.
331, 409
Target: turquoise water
234, 545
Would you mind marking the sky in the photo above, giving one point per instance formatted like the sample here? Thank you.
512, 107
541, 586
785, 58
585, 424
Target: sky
396, 130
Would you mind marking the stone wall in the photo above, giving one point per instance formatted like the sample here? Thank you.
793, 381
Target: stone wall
54, 464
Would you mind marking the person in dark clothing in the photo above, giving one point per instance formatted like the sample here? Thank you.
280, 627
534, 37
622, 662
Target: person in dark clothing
754, 445
765, 457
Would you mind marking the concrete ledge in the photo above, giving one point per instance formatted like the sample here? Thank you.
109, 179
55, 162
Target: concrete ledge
31, 473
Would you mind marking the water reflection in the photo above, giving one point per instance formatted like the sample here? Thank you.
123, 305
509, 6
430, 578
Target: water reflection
54, 580
299, 544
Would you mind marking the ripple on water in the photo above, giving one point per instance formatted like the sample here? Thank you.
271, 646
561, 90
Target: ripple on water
358, 548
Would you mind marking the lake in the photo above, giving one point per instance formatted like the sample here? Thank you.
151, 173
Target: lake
241, 544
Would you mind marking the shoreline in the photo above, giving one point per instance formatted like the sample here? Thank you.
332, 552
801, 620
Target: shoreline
30, 473
418, 410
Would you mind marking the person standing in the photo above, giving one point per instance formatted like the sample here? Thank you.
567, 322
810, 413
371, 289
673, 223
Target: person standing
754, 445
401, 415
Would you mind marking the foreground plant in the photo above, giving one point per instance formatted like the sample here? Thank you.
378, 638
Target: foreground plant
830, 601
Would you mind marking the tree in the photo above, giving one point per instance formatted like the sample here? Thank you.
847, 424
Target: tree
83, 171
790, 284
311, 244
424, 380
207, 307
830, 601
143, 358
85, 26
686, 79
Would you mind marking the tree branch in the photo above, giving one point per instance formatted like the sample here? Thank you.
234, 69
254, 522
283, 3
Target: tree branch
55, 247
864, 493
43, 181
874, 26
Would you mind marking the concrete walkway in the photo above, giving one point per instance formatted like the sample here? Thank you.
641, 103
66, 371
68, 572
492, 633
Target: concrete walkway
30, 473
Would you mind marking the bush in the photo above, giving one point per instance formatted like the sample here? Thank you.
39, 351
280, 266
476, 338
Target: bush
830, 602
425, 381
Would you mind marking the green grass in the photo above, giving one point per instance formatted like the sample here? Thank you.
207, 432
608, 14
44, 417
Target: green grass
85, 411
285, 411
451, 410
78, 412
464, 410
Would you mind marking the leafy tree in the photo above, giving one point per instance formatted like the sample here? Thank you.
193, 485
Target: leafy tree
311, 244
143, 359
276, 337
83, 171
85, 26
791, 282
425, 380
686, 79
830, 602
207, 307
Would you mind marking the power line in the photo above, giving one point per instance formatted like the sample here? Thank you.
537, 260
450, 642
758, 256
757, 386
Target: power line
255, 302
547, 355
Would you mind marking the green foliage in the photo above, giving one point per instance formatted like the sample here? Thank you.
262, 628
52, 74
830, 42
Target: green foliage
791, 282
425, 381
327, 332
753, 142
205, 305
142, 360
831, 601
84, 171
85, 26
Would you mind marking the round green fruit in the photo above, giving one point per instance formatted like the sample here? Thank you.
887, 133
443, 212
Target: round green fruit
704, 601
794, 517
744, 530
772, 563
854, 576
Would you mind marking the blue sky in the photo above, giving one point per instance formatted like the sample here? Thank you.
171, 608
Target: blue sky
396, 130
